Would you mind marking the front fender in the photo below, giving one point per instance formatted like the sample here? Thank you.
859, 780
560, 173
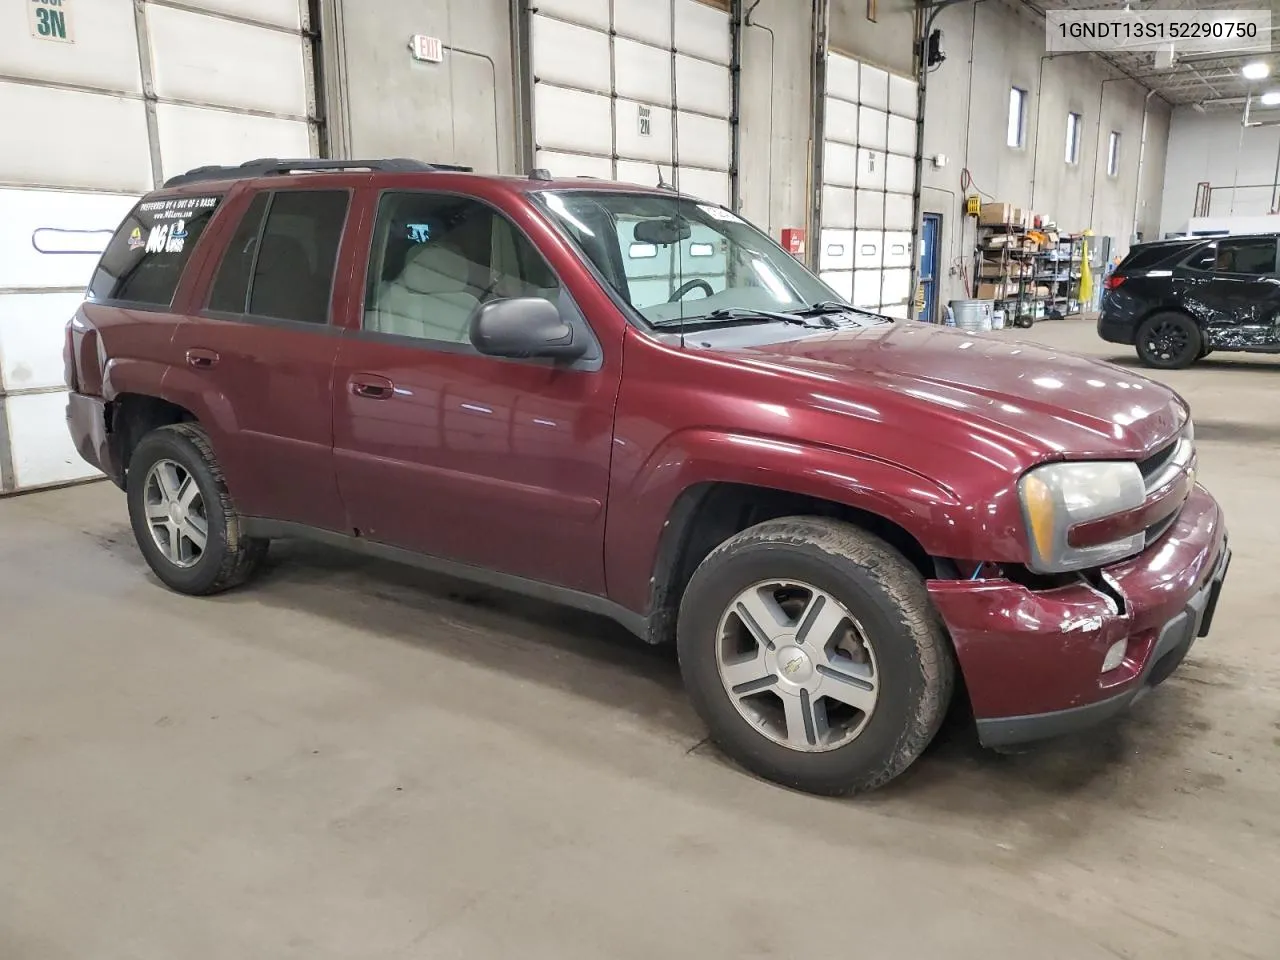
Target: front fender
927, 510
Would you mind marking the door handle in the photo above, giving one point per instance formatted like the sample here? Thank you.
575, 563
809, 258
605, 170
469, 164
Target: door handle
371, 386
201, 358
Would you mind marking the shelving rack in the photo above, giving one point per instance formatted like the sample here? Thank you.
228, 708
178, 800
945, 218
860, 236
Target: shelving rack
1025, 272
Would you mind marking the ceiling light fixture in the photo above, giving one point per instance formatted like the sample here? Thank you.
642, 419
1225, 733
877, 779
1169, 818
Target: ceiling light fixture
1270, 98
1256, 70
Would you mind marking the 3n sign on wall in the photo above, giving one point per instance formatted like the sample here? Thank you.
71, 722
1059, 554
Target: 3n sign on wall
51, 20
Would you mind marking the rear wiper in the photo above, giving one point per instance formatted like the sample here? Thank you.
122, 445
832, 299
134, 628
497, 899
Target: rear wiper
740, 315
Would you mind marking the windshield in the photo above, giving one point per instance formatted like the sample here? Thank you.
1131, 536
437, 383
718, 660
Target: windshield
676, 259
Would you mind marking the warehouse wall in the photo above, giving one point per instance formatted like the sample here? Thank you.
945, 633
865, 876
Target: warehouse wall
775, 111
458, 111
991, 47
1214, 147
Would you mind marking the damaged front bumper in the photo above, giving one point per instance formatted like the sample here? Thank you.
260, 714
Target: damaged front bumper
1033, 659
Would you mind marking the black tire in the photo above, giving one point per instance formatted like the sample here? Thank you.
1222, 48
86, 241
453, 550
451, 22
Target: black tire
1168, 341
1024, 321
229, 558
883, 591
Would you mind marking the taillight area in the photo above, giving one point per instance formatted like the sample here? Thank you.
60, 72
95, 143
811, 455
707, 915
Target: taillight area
1115, 280
69, 360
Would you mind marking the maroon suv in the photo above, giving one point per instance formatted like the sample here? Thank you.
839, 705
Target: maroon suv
633, 402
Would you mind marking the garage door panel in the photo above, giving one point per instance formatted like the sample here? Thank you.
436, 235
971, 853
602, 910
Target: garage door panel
897, 286
873, 128
633, 145
280, 13
104, 54
195, 136
702, 86
642, 20
871, 169
897, 248
868, 249
841, 281
839, 164
190, 62
702, 31
902, 97
702, 141
31, 336
873, 87
870, 212
838, 205
570, 55
712, 185
642, 72
593, 13
39, 443
572, 120
842, 77
898, 209
574, 165
902, 136
836, 250
644, 173
866, 288
841, 122
900, 173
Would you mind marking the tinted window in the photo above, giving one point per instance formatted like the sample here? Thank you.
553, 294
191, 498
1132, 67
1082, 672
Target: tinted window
436, 258
1251, 255
144, 261
230, 292
1144, 258
293, 272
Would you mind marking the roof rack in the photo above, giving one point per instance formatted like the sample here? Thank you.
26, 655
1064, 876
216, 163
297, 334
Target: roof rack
270, 166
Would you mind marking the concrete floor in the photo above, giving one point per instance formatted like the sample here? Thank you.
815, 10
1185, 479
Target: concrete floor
353, 760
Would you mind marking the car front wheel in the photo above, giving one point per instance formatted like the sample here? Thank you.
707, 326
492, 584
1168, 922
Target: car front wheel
1169, 341
182, 515
811, 651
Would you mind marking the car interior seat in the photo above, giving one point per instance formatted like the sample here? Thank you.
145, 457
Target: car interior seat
432, 298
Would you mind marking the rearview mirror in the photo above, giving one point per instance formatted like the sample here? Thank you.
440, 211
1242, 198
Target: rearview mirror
662, 232
523, 328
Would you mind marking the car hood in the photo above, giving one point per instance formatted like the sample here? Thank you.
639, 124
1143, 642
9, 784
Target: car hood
1052, 404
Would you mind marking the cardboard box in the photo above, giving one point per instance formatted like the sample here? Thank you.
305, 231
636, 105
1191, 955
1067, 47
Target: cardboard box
995, 214
995, 291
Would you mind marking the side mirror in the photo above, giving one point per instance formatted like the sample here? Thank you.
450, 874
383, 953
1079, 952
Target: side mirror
522, 328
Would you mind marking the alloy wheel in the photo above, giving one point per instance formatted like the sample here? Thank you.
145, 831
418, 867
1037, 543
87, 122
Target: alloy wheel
1167, 341
176, 513
797, 665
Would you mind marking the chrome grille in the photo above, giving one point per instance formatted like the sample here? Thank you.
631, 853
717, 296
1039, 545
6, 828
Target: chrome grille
1161, 467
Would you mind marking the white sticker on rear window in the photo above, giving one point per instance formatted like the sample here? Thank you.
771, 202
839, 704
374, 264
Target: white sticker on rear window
719, 213
177, 208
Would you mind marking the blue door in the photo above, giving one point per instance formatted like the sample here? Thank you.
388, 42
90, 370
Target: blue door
930, 236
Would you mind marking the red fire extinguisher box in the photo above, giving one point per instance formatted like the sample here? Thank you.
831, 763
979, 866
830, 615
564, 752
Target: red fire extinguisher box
793, 240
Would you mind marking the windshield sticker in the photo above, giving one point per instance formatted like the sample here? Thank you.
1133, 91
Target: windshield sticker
135, 239
177, 208
719, 213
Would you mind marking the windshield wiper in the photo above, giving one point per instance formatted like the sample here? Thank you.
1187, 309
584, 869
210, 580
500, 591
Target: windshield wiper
827, 307
740, 315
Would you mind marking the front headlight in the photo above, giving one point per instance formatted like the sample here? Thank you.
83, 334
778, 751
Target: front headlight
1059, 496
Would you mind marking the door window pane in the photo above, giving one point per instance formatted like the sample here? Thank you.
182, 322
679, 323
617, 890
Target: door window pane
145, 259
230, 292
1249, 255
293, 274
436, 259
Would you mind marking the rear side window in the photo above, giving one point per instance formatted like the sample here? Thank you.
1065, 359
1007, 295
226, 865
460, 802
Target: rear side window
280, 261
146, 257
1144, 258
1255, 256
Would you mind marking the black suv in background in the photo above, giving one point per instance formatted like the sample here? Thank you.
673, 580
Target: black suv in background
1178, 300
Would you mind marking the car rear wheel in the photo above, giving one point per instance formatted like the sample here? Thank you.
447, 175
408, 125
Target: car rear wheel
810, 650
182, 516
1169, 341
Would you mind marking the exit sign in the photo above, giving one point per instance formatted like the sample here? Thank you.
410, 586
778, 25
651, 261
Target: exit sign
430, 49
50, 20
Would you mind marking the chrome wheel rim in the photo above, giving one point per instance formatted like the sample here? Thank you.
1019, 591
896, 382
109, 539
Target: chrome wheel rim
797, 665
175, 513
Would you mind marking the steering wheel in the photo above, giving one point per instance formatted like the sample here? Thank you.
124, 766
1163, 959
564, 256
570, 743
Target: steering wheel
689, 285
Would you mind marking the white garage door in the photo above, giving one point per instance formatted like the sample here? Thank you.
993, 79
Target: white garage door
868, 179
109, 97
609, 76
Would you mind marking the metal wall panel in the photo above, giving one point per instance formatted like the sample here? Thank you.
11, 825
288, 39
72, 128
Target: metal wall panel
104, 55
280, 13
194, 136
